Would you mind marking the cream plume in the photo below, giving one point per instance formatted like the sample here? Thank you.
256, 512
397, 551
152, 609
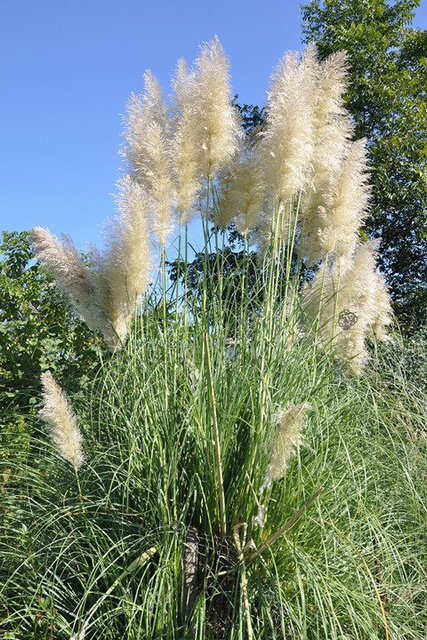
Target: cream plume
284, 439
349, 205
125, 265
185, 145
219, 125
285, 146
365, 290
241, 194
332, 130
106, 297
206, 125
72, 276
146, 120
59, 416
347, 301
383, 314
149, 155
263, 236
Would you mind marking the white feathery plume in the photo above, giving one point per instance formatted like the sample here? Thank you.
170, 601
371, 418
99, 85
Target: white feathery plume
126, 264
284, 439
332, 301
228, 202
263, 238
206, 126
58, 414
252, 195
383, 314
241, 194
185, 146
285, 145
348, 300
146, 120
319, 301
107, 297
333, 130
349, 205
364, 291
219, 125
149, 155
357, 295
72, 276
332, 121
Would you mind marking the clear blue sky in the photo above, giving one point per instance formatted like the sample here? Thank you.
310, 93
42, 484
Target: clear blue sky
67, 68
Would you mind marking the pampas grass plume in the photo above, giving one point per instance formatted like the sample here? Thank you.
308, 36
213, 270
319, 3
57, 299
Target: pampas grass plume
149, 155
349, 205
242, 194
219, 125
72, 276
286, 144
185, 146
206, 126
363, 291
333, 130
106, 298
284, 439
383, 315
58, 415
125, 266
349, 287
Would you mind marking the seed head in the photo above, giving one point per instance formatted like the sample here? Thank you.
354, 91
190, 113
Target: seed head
285, 145
71, 275
148, 152
346, 301
284, 439
59, 416
206, 127
126, 264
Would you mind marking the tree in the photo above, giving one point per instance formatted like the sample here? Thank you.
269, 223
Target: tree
388, 101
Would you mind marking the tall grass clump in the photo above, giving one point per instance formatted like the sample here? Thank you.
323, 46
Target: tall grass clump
248, 462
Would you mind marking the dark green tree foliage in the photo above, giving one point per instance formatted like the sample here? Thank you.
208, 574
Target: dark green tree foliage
240, 278
387, 96
37, 332
252, 116
243, 282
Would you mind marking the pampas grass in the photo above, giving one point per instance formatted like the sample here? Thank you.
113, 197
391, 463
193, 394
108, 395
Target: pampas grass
196, 513
352, 564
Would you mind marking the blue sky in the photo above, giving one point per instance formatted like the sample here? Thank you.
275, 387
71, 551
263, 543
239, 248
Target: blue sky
67, 68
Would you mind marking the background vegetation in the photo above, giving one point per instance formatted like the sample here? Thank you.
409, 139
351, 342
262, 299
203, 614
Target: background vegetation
38, 331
